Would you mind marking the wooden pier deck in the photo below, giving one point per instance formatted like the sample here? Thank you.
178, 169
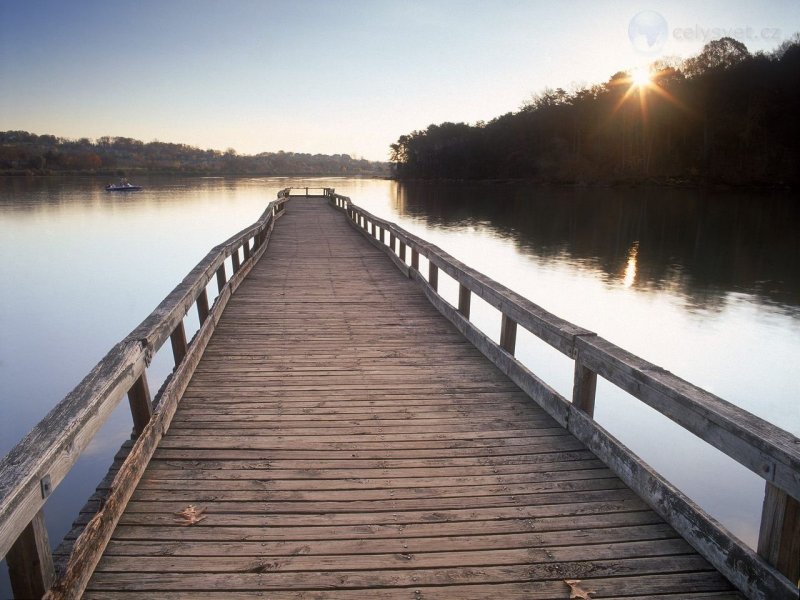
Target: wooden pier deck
342, 431
346, 441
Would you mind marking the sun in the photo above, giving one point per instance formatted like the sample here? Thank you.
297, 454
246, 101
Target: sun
641, 77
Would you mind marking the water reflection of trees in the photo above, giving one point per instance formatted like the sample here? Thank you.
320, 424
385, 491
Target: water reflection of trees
700, 244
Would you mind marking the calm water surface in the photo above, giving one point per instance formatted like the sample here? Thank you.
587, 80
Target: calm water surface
706, 285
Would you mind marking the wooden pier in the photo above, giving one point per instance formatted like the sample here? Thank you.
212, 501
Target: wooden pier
344, 432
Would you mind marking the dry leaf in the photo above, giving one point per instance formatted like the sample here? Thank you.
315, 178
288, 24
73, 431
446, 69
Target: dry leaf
190, 515
576, 590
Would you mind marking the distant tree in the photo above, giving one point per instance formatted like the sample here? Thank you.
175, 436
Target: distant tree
717, 54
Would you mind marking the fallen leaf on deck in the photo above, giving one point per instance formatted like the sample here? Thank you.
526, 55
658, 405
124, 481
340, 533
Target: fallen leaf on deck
190, 515
576, 590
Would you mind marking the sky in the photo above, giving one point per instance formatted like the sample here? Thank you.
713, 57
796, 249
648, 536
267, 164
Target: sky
328, 76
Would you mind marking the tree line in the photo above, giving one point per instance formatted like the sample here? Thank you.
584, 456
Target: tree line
27, 153
723, 116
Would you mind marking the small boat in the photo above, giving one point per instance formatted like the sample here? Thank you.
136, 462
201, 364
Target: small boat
123, 186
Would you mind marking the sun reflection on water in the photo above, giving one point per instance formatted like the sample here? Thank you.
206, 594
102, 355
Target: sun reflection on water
629, 277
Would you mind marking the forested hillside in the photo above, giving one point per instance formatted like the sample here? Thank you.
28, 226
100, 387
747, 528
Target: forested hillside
27, 153
724, 116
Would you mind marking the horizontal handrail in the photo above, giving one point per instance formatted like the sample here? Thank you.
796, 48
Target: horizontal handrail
767, 450
323, 191
40, 461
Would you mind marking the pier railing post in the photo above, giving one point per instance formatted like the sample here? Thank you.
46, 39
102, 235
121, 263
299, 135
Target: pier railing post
246, 249
414, 259
584, 388
178, 340
779, 536
464, 299
235, 260
508, 334
222, 278
30, 561
141, 404
433, 275
202, 306
402, 251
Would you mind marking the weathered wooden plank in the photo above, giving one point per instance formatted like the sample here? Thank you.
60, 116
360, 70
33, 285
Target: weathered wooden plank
399, 544
423, 558
346, 579
407, 531
337, 489
547, 590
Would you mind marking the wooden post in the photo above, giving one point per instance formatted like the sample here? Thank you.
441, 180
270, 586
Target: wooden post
221, 278
779, 536
178, 339
508, 334
383, 235
391, 241
306, 192
464, 298
202, 306
402, 251
235, 260
414, 259
584, 388
30, 561
433, 275
246, 248
141, 405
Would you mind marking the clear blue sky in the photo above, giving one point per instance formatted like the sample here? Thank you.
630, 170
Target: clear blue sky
323, 76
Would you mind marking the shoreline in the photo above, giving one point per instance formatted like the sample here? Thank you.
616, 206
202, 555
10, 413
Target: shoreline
650, 183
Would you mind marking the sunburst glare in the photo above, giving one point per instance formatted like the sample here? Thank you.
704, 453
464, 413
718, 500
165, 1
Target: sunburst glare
641, 77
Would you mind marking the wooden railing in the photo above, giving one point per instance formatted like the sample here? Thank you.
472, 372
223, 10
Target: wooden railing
770, 452
35, 466
309, 192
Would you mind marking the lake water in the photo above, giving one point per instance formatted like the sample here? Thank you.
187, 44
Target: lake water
703, 284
